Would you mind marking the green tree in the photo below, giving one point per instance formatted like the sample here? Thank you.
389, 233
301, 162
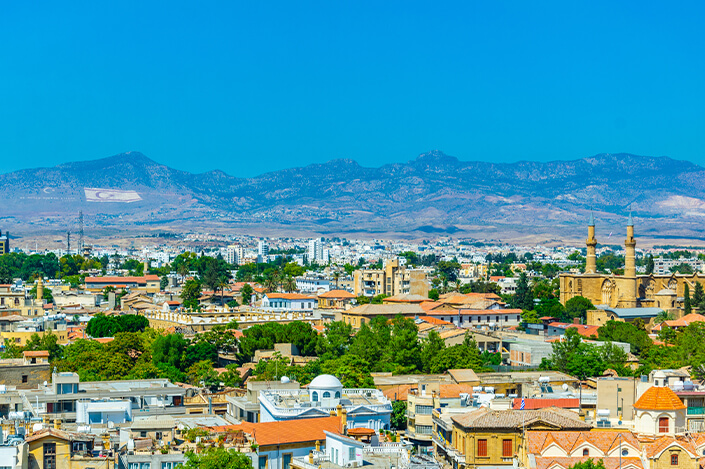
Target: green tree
687, 307
351, 370
430, 348
617, 331
398, 419
433, 294
589, 464
698, 300
404, 347
523, 298
190, 293
219, 458
101, 325
455, 357
649, 265
336, 340
48, 342
167, 351
46, 294
202, 374
246, 293
577, 307
199, 352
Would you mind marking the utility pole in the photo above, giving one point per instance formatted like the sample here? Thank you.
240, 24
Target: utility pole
68, 242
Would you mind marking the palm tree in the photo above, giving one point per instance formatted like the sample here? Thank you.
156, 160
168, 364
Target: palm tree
336, 276
222, 284
270, 283
289, 284
182, 270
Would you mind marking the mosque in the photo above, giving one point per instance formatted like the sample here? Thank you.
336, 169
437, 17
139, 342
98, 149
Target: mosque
628, 296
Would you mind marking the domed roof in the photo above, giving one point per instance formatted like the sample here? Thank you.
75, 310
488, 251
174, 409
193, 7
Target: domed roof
666, 291
325, 382
659, 398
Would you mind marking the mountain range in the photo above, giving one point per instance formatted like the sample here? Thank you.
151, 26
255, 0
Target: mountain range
431, 195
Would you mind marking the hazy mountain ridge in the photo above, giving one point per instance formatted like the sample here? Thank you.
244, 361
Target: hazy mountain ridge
432, 190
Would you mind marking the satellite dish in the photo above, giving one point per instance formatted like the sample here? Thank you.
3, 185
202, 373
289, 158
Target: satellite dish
565, 387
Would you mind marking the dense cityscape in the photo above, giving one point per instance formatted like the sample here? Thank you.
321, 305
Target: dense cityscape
439, 353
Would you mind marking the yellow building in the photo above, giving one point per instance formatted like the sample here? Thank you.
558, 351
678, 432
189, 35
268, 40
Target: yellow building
484, 437
53, 448
4, 243
363, 314
628, 290
335, 299
392, 279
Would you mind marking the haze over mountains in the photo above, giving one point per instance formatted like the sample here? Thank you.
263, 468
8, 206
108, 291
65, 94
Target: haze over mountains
434, 194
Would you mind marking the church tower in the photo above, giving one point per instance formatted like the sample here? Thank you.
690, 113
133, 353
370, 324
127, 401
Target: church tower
591, 242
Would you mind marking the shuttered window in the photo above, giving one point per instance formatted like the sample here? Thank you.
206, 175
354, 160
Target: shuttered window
507, 449
481, 448
663, 425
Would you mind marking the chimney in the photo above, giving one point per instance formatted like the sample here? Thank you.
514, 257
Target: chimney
344, 421
318, 446
57, 424
576, 320
338, 410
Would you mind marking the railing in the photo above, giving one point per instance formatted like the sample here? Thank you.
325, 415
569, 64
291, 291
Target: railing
696, 411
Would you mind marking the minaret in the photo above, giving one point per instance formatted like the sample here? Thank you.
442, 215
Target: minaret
630, 250
40, 289
590, 263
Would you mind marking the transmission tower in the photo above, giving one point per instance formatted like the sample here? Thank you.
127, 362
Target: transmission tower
80, 232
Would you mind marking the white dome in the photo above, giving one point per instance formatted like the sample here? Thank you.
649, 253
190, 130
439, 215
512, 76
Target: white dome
325, 382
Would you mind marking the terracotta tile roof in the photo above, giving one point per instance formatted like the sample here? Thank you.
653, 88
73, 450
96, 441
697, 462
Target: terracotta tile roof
288, 296
454, 390
532, 404
406, 298
399, 392
443, 312
361, 432
584, 330
121, 280
429, 305
681, 322
61, 434
287, 431
344, 294
424, 326
490, 312
659, 398
104, 340
657, 447
609, 463
452, 333
436, 321
35, 353
605, 441
485, 418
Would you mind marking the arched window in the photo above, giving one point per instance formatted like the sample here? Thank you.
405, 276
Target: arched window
337, 394
314, 396
625, 452
586, 452
326, 395
663, 425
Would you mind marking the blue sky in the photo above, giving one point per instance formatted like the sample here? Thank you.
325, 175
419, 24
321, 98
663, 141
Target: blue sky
250, 87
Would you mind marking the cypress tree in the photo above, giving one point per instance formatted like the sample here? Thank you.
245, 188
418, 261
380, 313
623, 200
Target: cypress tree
687, 308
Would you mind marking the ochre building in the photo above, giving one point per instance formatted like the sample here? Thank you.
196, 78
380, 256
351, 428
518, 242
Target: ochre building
629, 290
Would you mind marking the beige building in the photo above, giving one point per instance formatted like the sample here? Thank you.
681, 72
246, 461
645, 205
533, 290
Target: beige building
628, 290
363, 314
392, 279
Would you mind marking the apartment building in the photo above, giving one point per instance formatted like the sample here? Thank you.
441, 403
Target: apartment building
392, 279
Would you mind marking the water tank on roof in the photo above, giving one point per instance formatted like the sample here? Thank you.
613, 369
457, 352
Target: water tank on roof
284, 379
544, 379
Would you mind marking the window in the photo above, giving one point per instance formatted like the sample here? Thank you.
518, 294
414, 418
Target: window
146, 465
143, 434
337, 394
424, 429
482, 448
586, 452
168, 465
424, 409
674, 460
351, 453
133, 465
314, 396
506, 318
507, 451
24, 378
158, 435
663, 425
286, 460
49, 455
625, 452
262, 462
326, 395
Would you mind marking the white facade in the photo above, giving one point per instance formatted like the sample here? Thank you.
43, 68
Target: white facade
343, 451
234, 254
312, 284
103, 412
263, 248
288, 302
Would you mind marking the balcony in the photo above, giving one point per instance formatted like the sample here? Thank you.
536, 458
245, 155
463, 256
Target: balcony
696, 411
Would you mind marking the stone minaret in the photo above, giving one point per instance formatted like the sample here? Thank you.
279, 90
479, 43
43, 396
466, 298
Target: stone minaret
590, 263
630, 250
40, 289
